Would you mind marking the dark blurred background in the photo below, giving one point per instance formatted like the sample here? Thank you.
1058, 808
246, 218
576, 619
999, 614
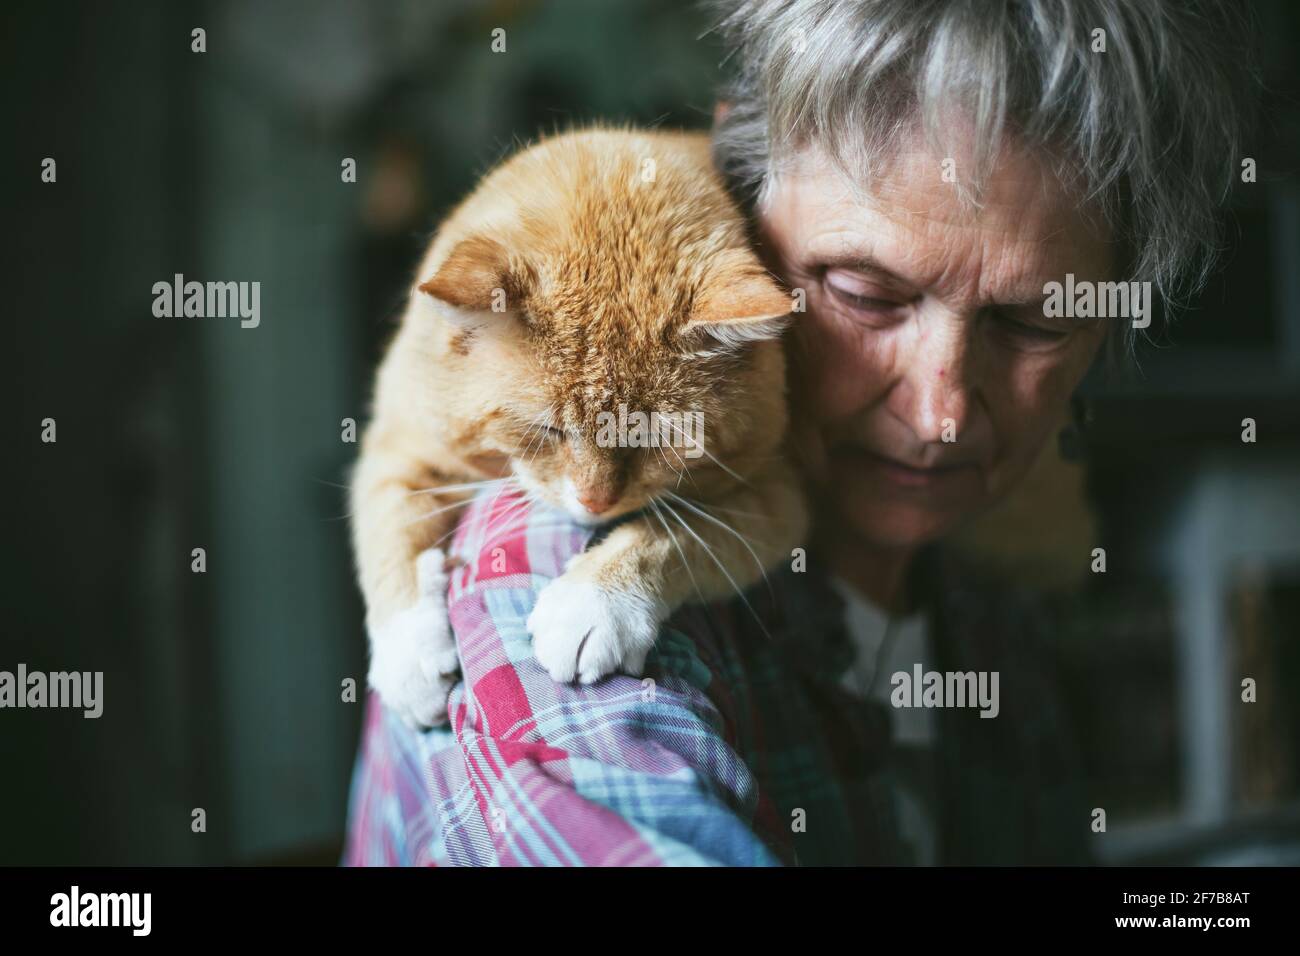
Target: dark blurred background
223, 688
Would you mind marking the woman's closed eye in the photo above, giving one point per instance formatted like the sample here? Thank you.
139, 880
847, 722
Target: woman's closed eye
1026, 332
1017, 326
859, 295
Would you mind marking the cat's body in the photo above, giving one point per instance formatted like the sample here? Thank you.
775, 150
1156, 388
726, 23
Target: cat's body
596, 270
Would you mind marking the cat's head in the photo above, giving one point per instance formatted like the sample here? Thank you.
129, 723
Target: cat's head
617, 335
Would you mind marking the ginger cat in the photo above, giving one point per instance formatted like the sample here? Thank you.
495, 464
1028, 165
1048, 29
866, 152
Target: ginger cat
599, 273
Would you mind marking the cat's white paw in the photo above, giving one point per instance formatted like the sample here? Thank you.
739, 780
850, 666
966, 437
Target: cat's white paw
583, 632
413, 660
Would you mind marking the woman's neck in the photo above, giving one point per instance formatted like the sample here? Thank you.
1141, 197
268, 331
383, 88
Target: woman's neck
881, 574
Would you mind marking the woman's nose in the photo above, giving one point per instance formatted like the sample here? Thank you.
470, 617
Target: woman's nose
935, 400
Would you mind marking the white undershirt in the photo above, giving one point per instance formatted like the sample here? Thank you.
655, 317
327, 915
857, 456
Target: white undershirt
910, 728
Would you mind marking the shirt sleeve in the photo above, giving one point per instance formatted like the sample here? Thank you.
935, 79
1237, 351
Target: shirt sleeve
626, 771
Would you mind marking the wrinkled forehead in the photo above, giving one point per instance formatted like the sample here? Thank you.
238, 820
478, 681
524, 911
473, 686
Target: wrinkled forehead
1025, 228
957, 181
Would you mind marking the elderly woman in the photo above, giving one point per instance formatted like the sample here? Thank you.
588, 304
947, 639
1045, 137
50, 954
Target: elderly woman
921, 173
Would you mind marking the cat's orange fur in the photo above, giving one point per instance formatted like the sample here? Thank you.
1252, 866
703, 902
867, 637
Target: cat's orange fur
626, 277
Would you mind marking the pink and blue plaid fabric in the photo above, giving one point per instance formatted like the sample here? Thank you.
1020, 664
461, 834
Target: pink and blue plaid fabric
731, 751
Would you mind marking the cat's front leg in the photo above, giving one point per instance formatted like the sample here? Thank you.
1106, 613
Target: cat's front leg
603, 614
398, 520
413, 659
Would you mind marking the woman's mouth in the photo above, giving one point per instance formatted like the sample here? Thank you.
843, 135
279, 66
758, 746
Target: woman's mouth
905, 475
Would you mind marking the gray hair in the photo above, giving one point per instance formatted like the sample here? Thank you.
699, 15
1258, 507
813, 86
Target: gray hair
1149, 130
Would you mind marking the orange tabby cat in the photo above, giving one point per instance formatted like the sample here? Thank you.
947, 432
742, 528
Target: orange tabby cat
592, 277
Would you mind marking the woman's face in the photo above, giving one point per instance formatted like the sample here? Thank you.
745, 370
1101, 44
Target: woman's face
926, 375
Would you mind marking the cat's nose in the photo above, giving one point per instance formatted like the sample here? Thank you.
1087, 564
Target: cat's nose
597, 502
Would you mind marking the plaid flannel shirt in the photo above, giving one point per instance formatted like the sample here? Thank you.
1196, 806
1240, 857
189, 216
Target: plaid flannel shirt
738, 747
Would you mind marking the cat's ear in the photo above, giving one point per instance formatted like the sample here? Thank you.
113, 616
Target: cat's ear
476, 275
741, 305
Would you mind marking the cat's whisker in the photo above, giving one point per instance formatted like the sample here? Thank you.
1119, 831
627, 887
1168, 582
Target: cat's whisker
721, 567
473, 530
435, 512
332, 484
479, 485
711, 508
529, 437
708, 454
681, 472
461, 487
669, 465
335, 484
536, 434
658, 513
481, 532
708, 509
539, 426
725, 527
519, 511
518, 522
505, 524
448, 534
488, 544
